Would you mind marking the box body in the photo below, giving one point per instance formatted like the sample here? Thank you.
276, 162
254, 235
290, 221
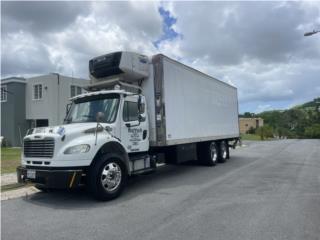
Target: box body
186, 105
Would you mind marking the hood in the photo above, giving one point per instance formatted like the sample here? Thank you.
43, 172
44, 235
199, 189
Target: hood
66, 129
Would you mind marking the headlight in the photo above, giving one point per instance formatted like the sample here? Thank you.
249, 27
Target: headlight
82, 148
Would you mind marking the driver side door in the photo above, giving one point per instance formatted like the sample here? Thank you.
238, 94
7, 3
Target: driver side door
134, 129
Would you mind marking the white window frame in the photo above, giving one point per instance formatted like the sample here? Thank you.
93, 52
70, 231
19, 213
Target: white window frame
79, 89
76, 90
34, 91
4, 92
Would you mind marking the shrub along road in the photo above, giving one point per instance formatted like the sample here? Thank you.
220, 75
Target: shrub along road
267, 190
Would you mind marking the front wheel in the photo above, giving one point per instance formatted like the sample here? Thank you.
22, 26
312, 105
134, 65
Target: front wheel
107, 178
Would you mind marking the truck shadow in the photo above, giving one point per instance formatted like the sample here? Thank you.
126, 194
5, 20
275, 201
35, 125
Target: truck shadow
165, 178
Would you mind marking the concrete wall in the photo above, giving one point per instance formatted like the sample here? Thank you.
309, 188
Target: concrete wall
21, 109
247, 123
55, 97
13, 113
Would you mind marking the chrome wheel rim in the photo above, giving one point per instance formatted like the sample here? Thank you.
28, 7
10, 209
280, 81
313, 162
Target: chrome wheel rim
224, 151
111, 176
213, 152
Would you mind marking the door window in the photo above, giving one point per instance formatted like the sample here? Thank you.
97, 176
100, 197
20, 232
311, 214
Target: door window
130, 111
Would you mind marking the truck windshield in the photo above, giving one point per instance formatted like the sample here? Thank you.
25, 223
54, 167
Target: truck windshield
86, 109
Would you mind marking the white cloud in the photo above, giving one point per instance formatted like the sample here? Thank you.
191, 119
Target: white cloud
257, 46
264, 107
109, 26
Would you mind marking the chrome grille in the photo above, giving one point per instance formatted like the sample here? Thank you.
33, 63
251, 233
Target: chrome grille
42, 148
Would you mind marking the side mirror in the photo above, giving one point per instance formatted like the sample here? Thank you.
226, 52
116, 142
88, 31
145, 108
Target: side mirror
68, 107
141, 118
141, 104
100, 117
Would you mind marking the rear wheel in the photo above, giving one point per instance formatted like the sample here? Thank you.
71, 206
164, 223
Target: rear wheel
223, 152
208, 153
107, 178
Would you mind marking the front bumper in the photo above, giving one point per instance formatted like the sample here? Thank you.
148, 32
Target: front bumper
50, 178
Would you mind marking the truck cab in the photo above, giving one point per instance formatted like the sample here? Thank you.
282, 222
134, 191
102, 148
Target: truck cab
97, 124
104, 137
121, 114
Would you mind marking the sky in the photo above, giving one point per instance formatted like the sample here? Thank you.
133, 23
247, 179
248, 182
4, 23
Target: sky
258, 47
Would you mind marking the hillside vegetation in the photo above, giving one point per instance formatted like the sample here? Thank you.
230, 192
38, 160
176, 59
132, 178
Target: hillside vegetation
301, 121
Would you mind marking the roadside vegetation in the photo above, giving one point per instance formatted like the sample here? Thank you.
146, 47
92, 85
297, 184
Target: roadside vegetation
251, 137
10, 159
298, 122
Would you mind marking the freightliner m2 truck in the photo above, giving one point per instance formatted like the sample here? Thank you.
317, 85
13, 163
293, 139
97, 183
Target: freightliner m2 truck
138, 111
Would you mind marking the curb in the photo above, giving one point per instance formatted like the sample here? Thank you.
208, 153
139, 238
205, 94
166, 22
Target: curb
11, 189
8, 179
18, 192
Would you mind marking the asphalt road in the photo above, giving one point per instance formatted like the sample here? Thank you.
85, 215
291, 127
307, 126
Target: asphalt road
267, 190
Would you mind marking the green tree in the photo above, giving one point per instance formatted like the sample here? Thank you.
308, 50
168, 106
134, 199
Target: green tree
265, 131
248, 115
313, 131
297, 122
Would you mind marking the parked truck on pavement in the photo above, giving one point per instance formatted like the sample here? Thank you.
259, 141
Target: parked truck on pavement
138, 111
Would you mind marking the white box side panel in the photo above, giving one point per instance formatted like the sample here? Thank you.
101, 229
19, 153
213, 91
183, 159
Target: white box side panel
197, 106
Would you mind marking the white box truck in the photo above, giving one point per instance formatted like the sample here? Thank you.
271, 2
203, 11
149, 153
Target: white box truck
138, 112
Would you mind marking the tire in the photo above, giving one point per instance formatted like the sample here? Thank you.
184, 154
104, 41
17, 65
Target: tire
208, 153
223, 152
107, 177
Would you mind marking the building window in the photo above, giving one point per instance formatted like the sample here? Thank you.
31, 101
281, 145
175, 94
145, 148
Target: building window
75, 90
37, 91
3, 93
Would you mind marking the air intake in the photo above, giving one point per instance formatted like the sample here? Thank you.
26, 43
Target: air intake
42, 148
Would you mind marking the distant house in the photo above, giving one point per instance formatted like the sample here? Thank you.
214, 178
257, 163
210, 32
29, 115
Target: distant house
247, 123
35, 102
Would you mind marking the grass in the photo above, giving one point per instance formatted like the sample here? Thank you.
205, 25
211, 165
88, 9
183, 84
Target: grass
251, 137
10, 159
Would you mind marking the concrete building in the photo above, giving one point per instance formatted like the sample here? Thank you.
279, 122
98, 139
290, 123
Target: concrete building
246, 124
47, 97
13, 110
35, 102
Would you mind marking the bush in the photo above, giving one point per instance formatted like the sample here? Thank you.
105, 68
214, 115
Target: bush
265, 132
5, 143
251, 130
313, 131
